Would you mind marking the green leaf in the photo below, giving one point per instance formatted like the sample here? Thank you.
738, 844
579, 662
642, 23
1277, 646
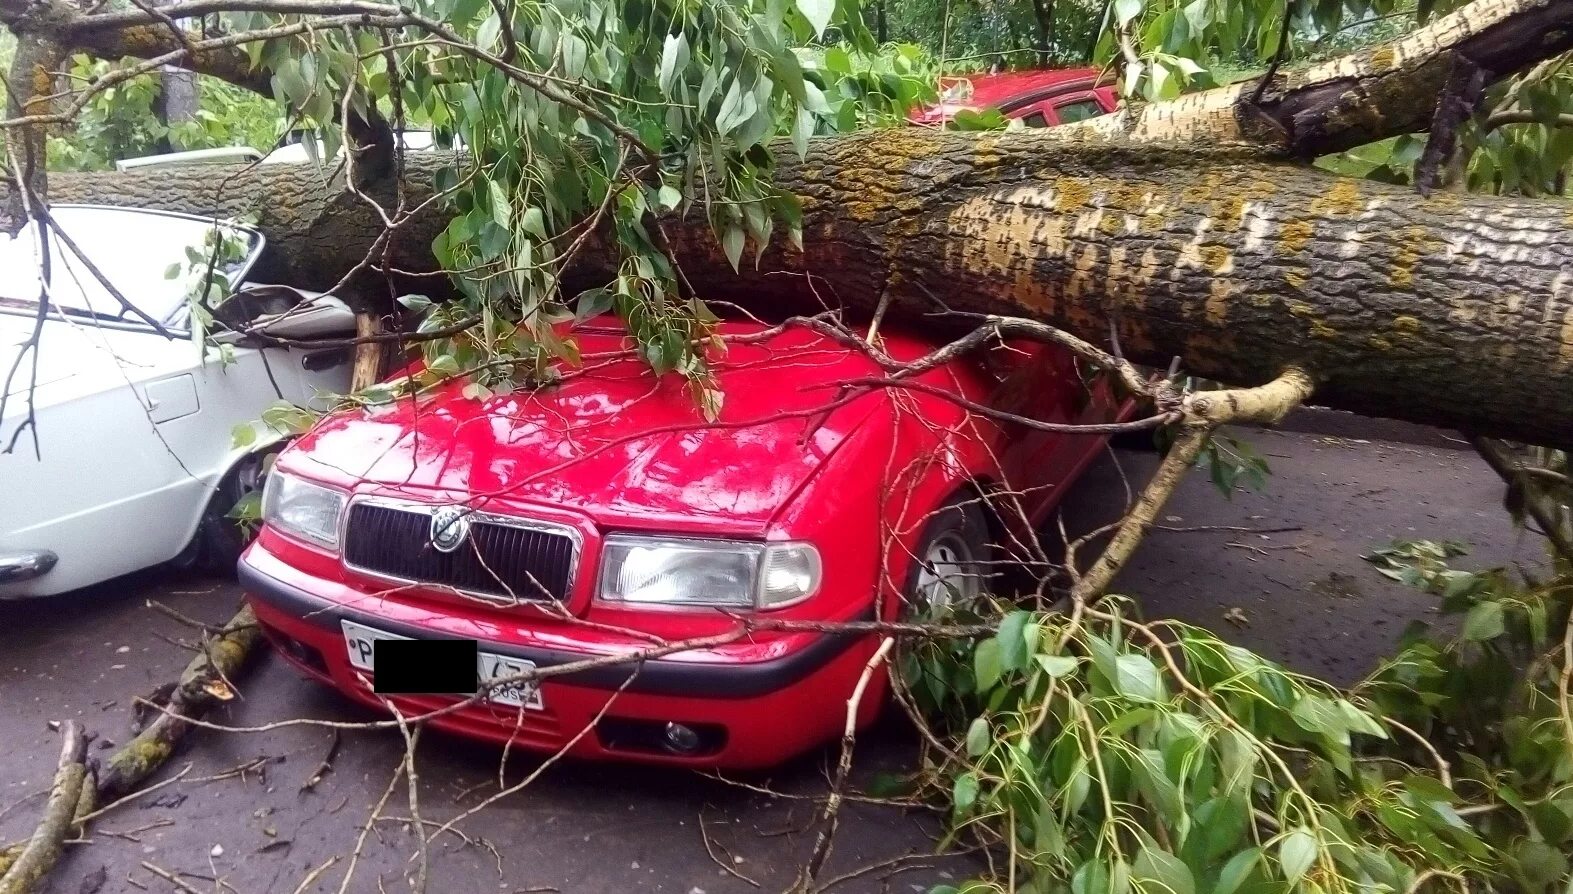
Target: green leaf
502, 211
534, 222
986, 665
575, 52
247, 508
978, 736
732, 243
1091, 878
476, 391
415, 303
1125, 10
1319, 715
444, 365
1237, 870
1013, 645
802, 129
668, 197
818, 13
1359, 721
1160, 872
965, 792
1165, 86
1136, 678
1217, 828
1296, 853
674, 59
1160, 790
243, 435
737, 106
1484, 621
1057, 665
1077, 789
288, 83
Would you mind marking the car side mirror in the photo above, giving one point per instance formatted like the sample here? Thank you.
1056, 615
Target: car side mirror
283, 312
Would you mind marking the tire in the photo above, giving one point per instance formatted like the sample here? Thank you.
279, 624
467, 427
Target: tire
953, 561
219, 540
963, 522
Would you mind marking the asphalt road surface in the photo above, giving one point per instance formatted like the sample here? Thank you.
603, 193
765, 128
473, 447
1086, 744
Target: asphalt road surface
1300, 596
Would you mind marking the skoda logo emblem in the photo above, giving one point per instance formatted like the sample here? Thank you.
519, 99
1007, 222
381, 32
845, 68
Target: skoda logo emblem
449, 526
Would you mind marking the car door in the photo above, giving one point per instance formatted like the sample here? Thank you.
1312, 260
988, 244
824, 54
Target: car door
99, 484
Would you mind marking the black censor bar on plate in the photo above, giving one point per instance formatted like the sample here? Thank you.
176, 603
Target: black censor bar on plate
424, 666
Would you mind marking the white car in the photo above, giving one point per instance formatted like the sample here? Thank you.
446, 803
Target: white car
116, 444
412, 140
227, 155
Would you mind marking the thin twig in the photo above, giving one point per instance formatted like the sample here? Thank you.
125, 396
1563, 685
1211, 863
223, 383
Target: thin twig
830, 817
170, 877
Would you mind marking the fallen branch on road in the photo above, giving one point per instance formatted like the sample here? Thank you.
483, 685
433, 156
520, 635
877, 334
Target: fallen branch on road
38, 854
79, 788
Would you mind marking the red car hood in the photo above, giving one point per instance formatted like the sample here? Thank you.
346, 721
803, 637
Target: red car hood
612, 440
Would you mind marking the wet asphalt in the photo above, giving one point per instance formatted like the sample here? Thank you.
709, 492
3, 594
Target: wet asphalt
1301, 596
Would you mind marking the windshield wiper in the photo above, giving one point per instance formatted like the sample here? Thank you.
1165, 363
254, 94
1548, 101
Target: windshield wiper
88, 313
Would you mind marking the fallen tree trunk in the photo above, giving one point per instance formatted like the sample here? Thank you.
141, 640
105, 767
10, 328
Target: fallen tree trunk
1449, 310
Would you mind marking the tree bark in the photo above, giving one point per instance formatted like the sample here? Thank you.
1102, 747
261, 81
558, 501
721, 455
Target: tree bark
205, 675
39, 854
1448, 310
1382, 91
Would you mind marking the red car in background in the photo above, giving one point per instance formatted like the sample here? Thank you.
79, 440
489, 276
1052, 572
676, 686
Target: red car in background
603, 515
1041, 98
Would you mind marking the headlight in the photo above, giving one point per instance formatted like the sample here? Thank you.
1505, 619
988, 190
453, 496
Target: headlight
302, 509
673, 571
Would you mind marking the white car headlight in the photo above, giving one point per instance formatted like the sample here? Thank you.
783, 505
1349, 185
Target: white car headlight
302, 509
678, 571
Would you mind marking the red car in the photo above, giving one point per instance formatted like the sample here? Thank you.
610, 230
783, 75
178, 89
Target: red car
1041, 98
601, 515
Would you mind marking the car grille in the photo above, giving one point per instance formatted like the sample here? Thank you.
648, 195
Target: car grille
501, 558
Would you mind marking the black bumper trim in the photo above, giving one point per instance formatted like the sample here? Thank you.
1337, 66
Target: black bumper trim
655, 677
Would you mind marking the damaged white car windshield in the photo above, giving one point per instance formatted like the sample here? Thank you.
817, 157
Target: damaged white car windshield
134, 250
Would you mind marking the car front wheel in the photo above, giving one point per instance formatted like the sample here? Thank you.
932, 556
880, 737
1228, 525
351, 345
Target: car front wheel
221, 537
952, 561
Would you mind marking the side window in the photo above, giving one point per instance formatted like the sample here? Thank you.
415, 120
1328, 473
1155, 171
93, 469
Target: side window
1035, 119
1078, 110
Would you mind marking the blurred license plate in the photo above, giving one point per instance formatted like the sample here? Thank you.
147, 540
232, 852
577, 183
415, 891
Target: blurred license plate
359, 641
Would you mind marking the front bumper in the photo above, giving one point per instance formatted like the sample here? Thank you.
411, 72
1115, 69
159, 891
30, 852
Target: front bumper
22, 565
752, 714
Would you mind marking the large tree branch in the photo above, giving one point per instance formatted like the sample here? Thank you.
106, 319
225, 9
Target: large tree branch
43, 848
1445, 309
1450, 310
62, 24
1201, 414
1389, 89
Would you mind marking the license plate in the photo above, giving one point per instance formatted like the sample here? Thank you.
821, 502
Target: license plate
359, 640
